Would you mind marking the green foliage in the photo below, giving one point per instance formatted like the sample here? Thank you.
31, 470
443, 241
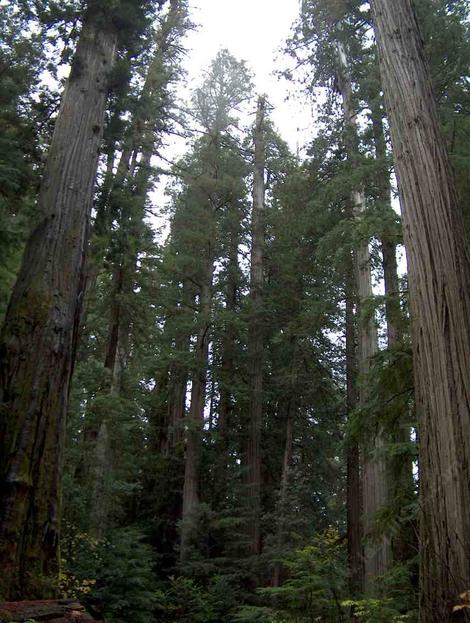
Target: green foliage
378, 611
187, 602
114, 576
315, 581
310, 239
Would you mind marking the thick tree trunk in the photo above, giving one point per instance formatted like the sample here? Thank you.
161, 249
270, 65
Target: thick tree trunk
255, 341
439, 274
377, 555
39, 335
195, 420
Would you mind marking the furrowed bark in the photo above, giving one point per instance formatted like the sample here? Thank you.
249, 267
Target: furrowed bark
39, 335
354, 488
439, 274
255, 342
179, 376
291, 412
400, 469
228, 371
377, 554
195, 419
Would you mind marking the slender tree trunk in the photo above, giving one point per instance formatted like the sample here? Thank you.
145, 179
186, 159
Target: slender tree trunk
374, 476
291, 412
195, 420
228, 371
39, 335
400, 469
388, 244
439, 274
377, 557
100, 493
117, 353
179, 374
135, 180
255, 341
354, 489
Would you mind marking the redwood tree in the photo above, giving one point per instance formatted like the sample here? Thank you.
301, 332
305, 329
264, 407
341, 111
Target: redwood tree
38, 339
255, 339
439, 274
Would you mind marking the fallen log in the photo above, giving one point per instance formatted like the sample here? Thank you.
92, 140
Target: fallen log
44, 611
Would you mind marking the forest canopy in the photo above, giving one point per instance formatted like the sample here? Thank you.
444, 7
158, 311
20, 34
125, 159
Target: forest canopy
235, 369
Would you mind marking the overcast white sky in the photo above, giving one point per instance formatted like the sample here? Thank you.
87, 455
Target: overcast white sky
252, 30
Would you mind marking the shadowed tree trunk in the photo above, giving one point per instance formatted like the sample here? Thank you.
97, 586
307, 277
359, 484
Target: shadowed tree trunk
195, 419
377, 555
255, 341
228, 363
127, 197
291, 408
39, 335
400, 468
179, 374
354, 489
439, 274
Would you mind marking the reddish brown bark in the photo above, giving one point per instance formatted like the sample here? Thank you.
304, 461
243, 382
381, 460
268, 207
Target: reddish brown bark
353, 489
228, 366
255, 342
376, 550
195, 419
47, 611
39, 335
291, 408
439, 274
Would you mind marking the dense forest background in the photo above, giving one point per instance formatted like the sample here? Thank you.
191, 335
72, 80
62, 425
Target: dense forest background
241, 433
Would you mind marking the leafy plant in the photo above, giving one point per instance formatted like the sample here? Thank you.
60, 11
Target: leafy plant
115, 576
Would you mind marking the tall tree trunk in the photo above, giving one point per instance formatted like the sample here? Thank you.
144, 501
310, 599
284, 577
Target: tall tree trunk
401, 488
439, 274
179, 374
388, 242
354, 488
39, 335
195, 420
117, 353
376, 550
228, 371
288, 455
100, 492
255, 340
130, 179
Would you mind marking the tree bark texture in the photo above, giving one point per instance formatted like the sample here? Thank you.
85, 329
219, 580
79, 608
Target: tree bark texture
439, 274
255, 340
228, 367
291, 409
39, 334
195, 419
179, 374
388, 243
374, 489
400, 469
377, 552
354, 488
